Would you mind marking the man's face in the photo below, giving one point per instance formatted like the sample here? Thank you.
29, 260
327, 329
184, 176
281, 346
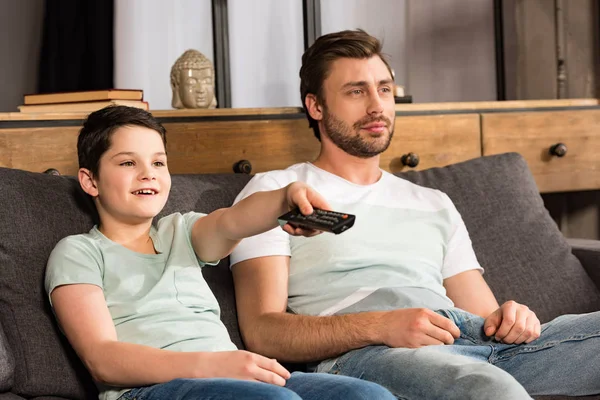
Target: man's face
358, 107
133, 181
196, 88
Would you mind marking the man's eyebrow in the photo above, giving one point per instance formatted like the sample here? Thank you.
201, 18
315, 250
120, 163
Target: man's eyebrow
348, 85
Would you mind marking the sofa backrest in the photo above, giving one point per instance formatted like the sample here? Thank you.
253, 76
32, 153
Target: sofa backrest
525, 256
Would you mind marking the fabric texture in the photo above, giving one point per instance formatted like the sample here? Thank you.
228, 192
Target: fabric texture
7, 363
524, 254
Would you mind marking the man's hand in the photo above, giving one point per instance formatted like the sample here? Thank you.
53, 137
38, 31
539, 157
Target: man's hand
512, 323
299, 194
417, 327
241, 364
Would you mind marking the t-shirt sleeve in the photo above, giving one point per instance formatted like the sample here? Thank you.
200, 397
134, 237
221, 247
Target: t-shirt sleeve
190, 218
460, 256
74, 260
275, 242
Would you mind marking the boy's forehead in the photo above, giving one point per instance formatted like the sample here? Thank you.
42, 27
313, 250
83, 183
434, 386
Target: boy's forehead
137, 138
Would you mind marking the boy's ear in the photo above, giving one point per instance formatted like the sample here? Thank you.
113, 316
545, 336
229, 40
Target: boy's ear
87, 182
313, 107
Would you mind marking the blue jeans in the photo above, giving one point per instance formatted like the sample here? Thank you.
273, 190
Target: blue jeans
564, 360
299, 386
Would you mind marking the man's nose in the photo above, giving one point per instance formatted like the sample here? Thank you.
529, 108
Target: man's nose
375, 105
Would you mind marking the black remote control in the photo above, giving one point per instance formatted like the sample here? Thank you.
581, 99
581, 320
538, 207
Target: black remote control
322, 220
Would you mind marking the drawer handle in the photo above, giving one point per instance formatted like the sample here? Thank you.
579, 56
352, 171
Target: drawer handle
242, 167
52, 171
558, 150
410, 160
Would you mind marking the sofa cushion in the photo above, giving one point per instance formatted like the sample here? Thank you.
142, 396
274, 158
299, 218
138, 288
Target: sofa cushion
7, 363
38, 210
525, 256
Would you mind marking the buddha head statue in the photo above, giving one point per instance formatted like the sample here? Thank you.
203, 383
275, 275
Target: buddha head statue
192, 81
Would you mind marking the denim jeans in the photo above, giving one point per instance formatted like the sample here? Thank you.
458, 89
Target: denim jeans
564, 360
299, 386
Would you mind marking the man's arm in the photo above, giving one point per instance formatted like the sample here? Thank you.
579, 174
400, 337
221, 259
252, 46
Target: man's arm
84, 317
469, 291
261, 295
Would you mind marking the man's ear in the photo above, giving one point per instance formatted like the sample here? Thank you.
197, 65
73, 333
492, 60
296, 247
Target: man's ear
315, 110
87, 182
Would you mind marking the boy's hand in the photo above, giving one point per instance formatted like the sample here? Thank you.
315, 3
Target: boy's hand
241, 364
299, 194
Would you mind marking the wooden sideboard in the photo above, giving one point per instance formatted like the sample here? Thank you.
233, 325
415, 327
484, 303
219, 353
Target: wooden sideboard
214, 141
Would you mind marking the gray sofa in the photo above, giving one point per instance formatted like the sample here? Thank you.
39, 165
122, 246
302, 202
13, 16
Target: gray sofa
525, 257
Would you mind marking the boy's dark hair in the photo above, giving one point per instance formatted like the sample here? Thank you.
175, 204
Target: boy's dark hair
326, 49
95, 136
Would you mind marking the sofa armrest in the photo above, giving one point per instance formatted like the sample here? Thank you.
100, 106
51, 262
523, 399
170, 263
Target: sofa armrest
588, 252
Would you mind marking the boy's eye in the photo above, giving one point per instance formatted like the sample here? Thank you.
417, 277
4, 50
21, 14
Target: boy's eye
127, 163
159, 164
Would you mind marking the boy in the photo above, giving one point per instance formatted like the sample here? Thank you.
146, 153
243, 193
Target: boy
130, 297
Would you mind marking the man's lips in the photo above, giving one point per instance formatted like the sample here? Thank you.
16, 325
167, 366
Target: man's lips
375, 127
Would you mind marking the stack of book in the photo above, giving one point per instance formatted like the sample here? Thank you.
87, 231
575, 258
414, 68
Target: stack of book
85, 101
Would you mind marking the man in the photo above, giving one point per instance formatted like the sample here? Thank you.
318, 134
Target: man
399, 299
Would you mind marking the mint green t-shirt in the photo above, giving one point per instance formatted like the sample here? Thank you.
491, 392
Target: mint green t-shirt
158, 300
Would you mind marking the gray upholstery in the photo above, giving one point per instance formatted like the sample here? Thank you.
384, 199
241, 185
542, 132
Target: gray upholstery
7, 363
524, 255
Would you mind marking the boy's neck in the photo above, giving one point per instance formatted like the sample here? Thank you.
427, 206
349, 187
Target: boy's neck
133, 237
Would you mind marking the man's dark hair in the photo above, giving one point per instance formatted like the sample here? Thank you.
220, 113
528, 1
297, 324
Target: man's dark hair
317, 59
95, 136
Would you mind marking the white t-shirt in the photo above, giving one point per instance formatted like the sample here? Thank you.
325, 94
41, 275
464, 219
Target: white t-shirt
405, 241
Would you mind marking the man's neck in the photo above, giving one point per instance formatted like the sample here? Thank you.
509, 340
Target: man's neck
360, 171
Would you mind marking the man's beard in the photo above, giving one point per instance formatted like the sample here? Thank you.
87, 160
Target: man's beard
349, 139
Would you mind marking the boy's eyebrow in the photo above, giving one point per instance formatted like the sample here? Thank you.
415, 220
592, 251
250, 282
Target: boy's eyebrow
348, 85
131, 153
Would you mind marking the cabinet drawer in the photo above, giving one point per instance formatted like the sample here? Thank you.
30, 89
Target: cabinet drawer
437, 141
533, 134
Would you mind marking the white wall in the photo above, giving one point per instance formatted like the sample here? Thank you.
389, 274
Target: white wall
384, 19
266, 42
149, 37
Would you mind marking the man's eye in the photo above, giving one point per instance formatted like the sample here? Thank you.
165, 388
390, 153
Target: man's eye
356, 92
127, 164
386, 89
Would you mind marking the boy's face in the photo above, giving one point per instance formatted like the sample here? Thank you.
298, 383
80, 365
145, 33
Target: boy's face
133, 181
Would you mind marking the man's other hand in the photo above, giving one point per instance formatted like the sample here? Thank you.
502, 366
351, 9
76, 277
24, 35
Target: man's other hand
513, 323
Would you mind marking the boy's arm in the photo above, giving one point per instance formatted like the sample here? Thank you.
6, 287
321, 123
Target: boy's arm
215, 235
84, 317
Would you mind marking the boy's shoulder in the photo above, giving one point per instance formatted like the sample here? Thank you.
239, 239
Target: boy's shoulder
86, 242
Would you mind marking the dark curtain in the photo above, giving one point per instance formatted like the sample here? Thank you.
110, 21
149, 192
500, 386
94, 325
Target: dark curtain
77, 46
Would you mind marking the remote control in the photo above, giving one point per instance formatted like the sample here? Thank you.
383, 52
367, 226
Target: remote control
322, 220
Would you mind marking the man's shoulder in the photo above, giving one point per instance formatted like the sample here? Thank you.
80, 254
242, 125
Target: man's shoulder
426, 196
281, 176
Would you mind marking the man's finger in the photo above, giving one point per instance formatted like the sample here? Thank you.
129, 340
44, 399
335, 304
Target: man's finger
491, 323
509, 316
446, 325
519, 327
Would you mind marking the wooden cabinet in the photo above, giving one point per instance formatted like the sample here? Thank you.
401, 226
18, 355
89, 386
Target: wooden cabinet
214, 141
574, 167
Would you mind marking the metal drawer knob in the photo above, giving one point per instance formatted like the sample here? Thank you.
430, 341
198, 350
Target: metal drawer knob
558, 150
242, 167
410, 160
52, 171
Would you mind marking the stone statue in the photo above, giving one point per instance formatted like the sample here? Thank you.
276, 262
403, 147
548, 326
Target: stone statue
192, 81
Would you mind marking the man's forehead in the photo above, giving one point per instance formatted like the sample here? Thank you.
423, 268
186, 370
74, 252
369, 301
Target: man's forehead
344, 70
